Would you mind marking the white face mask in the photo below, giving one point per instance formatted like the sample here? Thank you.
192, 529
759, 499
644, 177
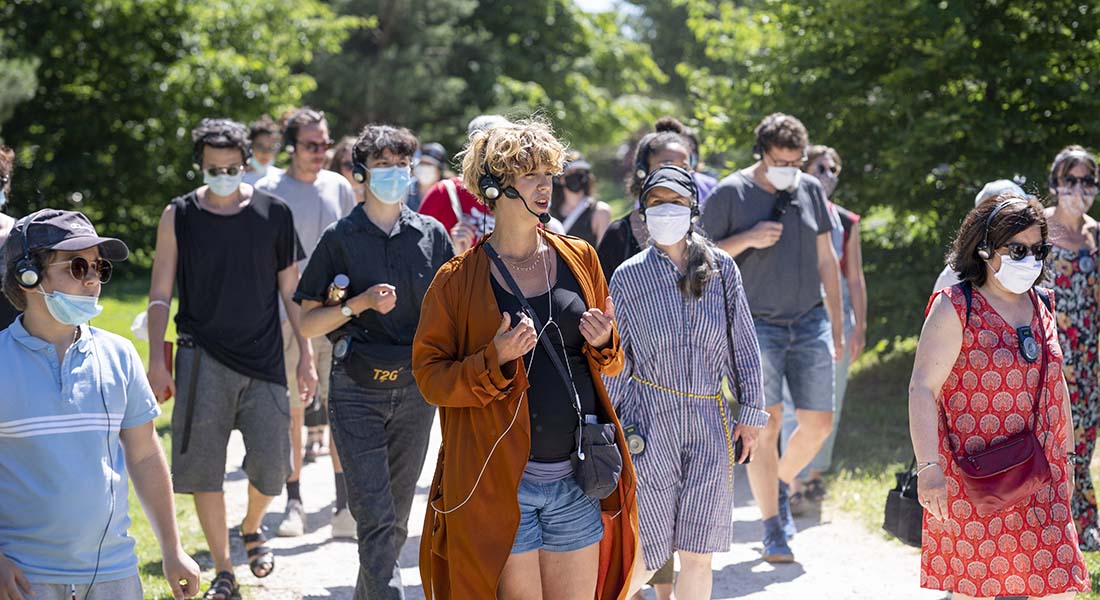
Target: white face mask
426, 174
1075, 200
668, 223
783, 178
1018, 276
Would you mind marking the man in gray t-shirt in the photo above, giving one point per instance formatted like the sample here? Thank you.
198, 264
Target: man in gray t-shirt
317, 198
775, 223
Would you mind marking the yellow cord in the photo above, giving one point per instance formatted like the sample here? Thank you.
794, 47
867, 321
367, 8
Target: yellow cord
678, 393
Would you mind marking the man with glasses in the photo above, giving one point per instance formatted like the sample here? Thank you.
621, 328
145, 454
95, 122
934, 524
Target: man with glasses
76, 421
231, 250
775, 223
263, 133
318, 198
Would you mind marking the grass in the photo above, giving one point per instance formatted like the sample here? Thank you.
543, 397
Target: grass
874, 440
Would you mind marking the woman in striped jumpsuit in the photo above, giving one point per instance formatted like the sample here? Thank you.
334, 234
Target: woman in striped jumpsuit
675, 302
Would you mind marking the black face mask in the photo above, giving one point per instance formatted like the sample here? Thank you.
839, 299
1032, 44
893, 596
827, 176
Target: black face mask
576, 182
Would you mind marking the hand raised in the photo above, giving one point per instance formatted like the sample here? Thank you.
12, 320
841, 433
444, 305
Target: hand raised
514, 342
596, 326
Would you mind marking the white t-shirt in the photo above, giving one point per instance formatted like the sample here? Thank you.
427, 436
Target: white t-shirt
948, 277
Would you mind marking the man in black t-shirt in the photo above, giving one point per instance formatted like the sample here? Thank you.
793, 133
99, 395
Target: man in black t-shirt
231, 250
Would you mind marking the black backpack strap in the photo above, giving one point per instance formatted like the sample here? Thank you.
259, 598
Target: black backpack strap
968, 294
1044, 296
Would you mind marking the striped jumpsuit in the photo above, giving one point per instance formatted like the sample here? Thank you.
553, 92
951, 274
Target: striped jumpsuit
670, 389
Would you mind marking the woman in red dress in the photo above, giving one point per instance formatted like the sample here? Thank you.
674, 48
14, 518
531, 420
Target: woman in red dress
973, 386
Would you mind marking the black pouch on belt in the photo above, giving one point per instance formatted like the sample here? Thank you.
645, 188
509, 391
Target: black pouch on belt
375, 366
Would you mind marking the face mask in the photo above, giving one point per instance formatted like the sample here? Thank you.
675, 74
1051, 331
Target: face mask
223, 185
71, 309
390, 184
783, 178
1018, 276
668, 223
1075, 200
426, 174
575, 183
259, 167
3, 199
828, 181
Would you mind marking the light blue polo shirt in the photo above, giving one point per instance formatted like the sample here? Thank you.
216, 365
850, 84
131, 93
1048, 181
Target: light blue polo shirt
60, 453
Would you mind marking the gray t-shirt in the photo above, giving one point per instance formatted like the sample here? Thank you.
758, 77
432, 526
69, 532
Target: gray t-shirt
781, 282
315, 205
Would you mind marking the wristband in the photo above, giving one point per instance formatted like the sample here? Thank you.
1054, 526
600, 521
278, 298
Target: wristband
924, 466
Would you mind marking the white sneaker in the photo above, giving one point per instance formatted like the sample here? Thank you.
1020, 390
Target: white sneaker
294, 520
343, 525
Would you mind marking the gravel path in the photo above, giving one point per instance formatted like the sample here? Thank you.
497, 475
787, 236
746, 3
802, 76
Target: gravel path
838, 558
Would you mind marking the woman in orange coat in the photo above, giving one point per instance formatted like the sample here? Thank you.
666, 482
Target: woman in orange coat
507, 517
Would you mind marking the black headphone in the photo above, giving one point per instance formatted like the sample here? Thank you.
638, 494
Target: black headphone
984, 249
491, 186
290, 132
1052, 180
695, 213
27, 273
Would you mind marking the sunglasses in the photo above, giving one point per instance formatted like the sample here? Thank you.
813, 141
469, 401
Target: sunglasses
1088, 181
230, 171
273, 148
1017, 251
315, 147
822, 169
79, 267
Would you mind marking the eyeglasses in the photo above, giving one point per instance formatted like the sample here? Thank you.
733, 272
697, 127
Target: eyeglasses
822, 169
1088, 181
272, 149
79, 267
1017, 251
230, 171
315, 147
787, 163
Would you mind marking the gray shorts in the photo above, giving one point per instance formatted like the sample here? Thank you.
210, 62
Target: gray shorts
228, 400
120, 589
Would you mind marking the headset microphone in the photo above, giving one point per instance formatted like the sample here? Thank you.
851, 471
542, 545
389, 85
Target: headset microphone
512, 192
492, 188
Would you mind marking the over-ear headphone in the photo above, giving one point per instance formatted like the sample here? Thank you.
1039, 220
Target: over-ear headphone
1052, 179
692, 187
359, 171
27, 273
984, 249
491, 187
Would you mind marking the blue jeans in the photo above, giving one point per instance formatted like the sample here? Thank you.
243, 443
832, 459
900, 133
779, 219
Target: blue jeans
556, 516
802, 355
382, 437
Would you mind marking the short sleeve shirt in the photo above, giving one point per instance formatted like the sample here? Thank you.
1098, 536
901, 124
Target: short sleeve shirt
62, 466
315, 205
781, 282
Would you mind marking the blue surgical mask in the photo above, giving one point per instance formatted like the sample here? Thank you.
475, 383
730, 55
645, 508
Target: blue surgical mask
259, 167
390, 184
223, 185
3, 198
72, 309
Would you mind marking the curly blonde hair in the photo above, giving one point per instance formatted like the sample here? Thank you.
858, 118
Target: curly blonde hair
510, 150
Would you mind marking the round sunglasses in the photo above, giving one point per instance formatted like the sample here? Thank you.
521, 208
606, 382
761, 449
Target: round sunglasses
79, 267
1017, 251
230, 171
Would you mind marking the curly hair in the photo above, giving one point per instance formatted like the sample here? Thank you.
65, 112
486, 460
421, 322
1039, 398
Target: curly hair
509, 150
219, 133
817, 151
779, 130
1010, 220
264, 125
376, 139
7, 164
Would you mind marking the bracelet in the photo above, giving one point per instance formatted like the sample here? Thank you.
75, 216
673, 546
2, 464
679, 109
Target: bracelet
153, 303
924, 466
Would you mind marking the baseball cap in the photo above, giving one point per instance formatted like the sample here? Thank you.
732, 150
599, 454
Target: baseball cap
998, 187
52, 229
669, 177
433, 153
578, 165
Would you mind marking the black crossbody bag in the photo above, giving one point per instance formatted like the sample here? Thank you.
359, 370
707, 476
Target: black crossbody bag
597, 463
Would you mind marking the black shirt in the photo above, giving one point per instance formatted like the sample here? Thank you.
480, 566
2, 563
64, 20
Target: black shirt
617, 245
228, 281
8, 313
407, 260
582, 226
550, 401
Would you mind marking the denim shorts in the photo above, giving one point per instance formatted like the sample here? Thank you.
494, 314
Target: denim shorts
556, 516
802, 353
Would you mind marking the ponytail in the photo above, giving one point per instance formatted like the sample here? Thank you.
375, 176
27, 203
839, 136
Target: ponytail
699, 265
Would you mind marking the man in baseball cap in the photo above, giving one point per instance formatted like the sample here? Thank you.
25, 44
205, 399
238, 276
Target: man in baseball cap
74, 435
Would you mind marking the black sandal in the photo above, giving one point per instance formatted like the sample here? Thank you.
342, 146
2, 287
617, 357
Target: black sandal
260, 557
224, 587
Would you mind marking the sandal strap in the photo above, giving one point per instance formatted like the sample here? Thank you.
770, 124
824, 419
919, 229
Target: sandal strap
250, 538
224, 584
259, 551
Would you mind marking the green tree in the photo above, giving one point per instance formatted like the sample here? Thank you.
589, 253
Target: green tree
924, 101
122, 82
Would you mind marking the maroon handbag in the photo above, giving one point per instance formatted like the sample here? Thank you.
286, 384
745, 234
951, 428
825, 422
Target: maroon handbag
1014, 470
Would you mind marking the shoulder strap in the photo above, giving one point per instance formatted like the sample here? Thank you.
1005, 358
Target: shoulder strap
549, 347
452, 193
735, 380
968, 294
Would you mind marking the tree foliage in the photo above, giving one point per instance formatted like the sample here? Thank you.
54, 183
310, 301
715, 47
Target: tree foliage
120, 84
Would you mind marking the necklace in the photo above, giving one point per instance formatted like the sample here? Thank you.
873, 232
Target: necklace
529, 263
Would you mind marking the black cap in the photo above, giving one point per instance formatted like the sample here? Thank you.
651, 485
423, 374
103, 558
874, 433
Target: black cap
670, 177
433, 153
52, 229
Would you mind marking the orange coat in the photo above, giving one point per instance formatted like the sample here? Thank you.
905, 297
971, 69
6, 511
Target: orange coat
462, 553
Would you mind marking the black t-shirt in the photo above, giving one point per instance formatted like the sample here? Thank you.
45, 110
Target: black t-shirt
550, 401
228, 281
617, 245
406, 258
8, 313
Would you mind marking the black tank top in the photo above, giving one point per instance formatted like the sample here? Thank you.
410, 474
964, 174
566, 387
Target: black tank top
550, 400
582, 227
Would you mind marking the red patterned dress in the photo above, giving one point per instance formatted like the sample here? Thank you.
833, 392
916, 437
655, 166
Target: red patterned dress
1030, 549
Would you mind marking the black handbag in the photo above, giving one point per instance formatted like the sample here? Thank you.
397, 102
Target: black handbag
904, 517
597, 463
